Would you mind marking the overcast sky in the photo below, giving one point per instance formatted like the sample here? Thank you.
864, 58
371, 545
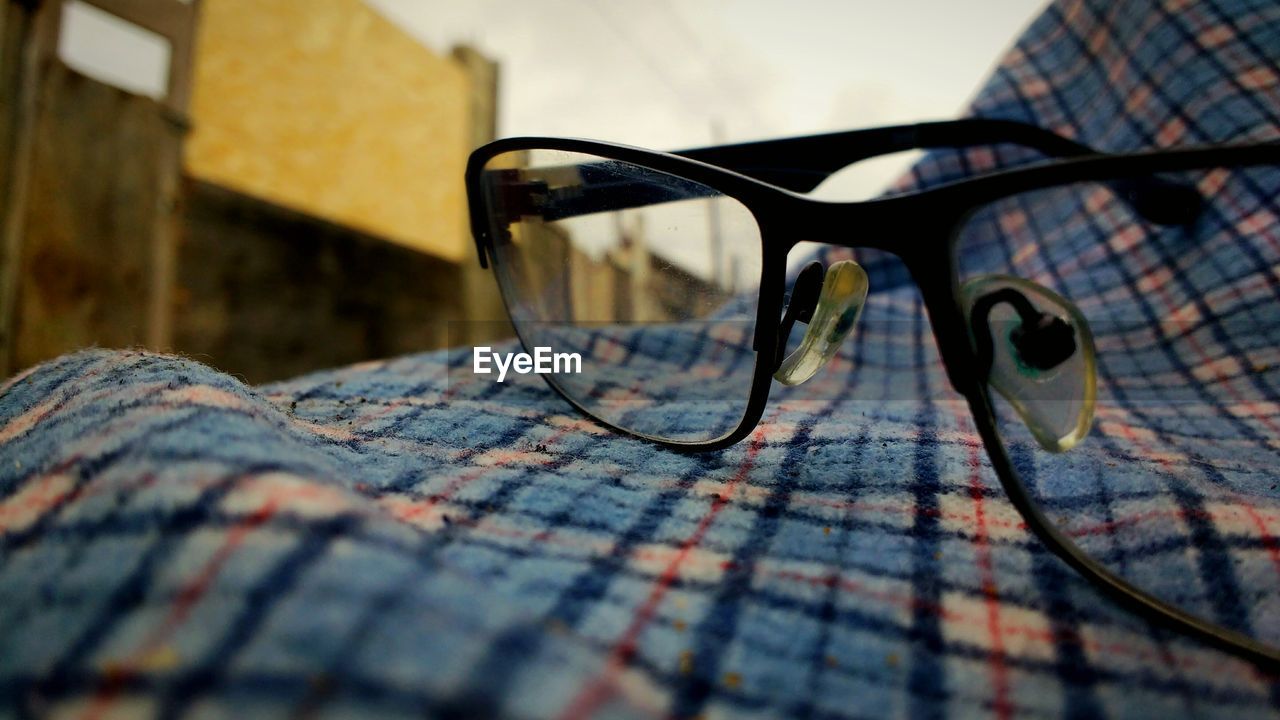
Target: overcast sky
659, 72
664, 73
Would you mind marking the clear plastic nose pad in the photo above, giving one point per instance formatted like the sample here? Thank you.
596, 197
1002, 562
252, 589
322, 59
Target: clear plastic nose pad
844, 293
1040, 354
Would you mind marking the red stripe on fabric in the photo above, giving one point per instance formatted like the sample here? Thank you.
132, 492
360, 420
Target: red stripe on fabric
1268, 540
1107, 527
998, 668
186, 600
600, 688
458, 483
865, 506
36, 497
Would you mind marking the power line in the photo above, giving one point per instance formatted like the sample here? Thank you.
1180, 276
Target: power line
645, 56
713, 65
655, 66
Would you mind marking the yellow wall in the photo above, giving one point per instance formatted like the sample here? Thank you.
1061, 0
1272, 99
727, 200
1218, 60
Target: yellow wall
325, 107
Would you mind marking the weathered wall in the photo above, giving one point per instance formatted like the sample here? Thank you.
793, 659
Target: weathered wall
325, 107
14, 22
86, 258
367, 130
268, 293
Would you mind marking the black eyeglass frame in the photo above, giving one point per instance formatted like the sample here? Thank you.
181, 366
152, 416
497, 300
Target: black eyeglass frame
921, 229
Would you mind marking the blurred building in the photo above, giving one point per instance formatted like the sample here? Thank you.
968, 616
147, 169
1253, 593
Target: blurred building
628, 282
327, 108
291, 200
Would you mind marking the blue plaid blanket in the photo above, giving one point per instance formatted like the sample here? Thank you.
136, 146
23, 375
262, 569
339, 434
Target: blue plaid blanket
397, 537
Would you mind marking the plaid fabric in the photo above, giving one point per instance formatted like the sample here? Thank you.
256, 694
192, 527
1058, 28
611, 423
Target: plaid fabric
398, 537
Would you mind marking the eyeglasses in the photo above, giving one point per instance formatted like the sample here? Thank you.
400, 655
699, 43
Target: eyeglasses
1125, 309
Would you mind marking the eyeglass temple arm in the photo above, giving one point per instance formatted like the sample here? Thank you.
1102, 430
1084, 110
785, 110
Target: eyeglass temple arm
801, 164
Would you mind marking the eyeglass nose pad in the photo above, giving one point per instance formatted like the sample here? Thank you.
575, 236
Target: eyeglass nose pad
844, 293
1037, 351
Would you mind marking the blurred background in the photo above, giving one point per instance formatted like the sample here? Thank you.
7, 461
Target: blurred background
275, 186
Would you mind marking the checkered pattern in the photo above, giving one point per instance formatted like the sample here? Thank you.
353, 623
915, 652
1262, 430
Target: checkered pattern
1186, 321
394, 537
